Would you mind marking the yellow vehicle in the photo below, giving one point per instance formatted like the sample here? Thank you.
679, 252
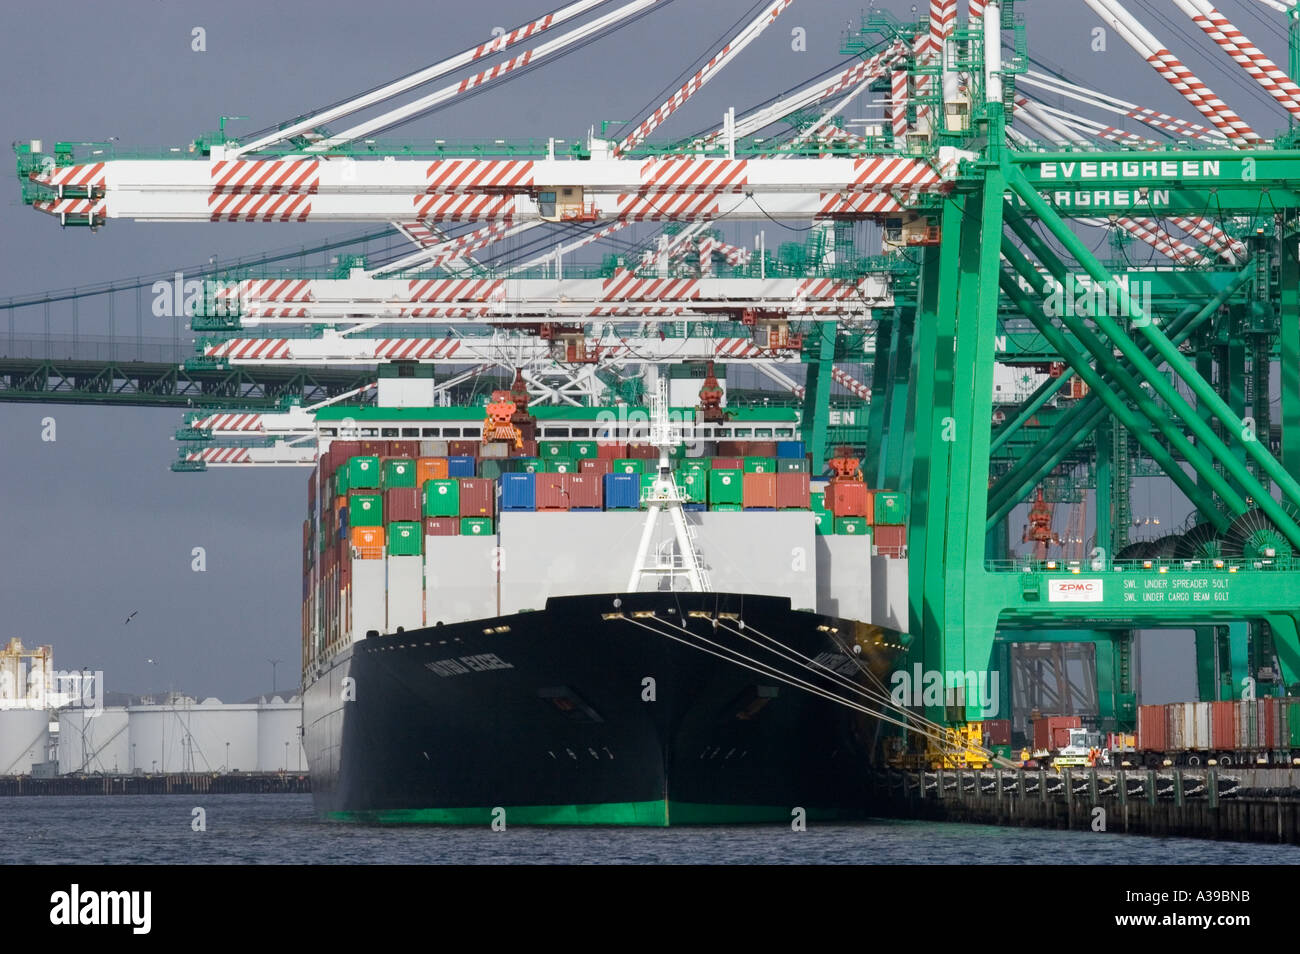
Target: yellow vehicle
962, 747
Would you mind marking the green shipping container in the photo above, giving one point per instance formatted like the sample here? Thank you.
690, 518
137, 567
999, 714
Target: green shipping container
561, 465
442, 498
405, 538
792, 465
399, 472
891, 508
694, 484
529, 465
825, 522
340, 482
493, 467
627, 465
726, 507
726, 487
760, 465
363, 473
476, 526
852, 526
817, 500
365, 510
647, 483
583, 450
550, 449
1293, 723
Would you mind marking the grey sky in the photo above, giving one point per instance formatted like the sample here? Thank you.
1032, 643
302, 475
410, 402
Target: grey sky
95, 524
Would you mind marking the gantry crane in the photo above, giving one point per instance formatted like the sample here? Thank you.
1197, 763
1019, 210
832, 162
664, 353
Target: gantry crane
1166, 366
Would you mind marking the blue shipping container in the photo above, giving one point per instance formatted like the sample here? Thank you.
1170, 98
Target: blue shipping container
789, 449
622, 491
518, 491
695, 506
460, 466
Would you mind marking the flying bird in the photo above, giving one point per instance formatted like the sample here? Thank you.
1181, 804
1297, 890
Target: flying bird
131, 617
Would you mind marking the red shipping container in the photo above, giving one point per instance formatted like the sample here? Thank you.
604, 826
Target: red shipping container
441, 526
643, 451
551, 493
596, 465
345, 568
734, 449
759, 491
1047, 727
373, 449
586, 491
1060, 738
890, 541
401, 503
404, 449
340, 451
311, 491
462, 448
792, 491
1270, 716
529, 449
728, 463
477, 496
849, 498
997, 731
1152, 733
610, 450
1223, 725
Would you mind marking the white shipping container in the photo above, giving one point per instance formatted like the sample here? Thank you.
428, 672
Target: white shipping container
1189, 726
369, 605
1201, 719
405, 592
433, 448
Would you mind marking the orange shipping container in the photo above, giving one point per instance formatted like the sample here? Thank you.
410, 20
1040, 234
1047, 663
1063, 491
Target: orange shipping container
430, 468
849, 498
759, 491
368, 542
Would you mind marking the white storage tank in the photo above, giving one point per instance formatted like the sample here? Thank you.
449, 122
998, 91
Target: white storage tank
24, 739
91, 743
279, 736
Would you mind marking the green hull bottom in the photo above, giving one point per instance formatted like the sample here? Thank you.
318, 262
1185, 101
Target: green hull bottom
656, 814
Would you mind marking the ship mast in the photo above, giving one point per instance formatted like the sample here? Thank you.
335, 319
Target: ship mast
664, 495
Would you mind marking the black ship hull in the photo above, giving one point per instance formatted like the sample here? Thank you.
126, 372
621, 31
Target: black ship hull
602, 709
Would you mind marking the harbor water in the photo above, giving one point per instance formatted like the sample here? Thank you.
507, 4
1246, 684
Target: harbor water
279, 829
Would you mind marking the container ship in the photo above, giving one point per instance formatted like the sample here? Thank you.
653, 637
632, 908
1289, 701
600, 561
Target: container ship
586, 615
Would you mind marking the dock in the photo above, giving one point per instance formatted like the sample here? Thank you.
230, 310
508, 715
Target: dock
180, 783
1252, 804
